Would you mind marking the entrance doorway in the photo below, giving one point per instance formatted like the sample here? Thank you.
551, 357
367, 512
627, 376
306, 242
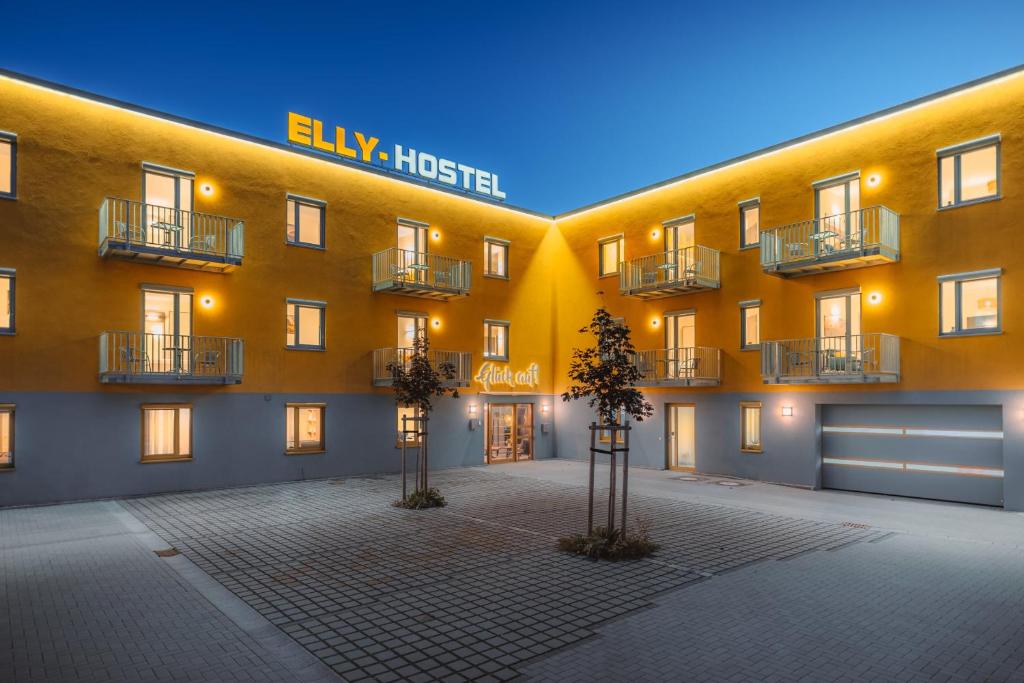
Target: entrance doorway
680, 436
509, 436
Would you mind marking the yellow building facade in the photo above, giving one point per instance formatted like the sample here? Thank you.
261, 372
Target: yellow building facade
188, 307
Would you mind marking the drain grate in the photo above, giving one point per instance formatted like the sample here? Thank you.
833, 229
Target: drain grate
167, 552
856, 525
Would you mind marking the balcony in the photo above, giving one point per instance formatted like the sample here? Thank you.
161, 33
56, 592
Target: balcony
698, 366
170, 237
462, 361
855, 359
415, 273
866, 237
690, 269
140, 358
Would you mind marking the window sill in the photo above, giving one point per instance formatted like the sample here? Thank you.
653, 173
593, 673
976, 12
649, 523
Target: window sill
304, 348
983, 333
496, 277
754, 347
6, 468
314, 247
7, 333
314, 451
502, 359
750, 247
756, 451
150, 461
11, 197
608, 275
410, 444
972, 202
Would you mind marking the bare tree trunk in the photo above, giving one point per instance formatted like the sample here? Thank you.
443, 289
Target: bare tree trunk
593, 455
611, 484
625, 478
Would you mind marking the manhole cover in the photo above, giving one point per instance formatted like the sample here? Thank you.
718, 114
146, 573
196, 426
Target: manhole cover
688, 478
728, 483
167, 552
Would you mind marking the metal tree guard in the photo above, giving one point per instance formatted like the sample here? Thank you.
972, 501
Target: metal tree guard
420, 432
613, 450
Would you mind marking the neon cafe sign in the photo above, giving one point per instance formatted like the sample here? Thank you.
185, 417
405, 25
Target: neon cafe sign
309, 132
491, 374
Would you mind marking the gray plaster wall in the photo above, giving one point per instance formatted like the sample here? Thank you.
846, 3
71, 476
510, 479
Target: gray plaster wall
791, 453
77, 446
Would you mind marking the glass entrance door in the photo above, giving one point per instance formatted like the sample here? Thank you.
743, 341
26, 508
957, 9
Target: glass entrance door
681, 436
167, 327
837, 210
838, 333
509, 432
168, 203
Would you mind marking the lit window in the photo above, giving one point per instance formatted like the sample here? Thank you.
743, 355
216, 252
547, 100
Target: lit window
969, 303
750, 223
750, 426
305, 224
496, 339
605, 435
406, 429
750, 325
305, 324
304, 425
969, 172
6, 436
6, 301
8, 164
166, 432
610, 252
495, 257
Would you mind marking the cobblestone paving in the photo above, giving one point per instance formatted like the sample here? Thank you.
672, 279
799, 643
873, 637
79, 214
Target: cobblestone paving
82, 600
471, 592
904, 609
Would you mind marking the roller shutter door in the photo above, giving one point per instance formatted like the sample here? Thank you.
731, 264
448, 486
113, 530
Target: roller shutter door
950, 453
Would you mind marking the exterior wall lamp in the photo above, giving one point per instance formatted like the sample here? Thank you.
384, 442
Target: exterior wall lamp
787, 411
206, 189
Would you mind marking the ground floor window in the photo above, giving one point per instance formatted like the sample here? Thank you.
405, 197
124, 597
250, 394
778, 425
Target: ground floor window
408, 437
605, 436
6, 436
166, 432
304, 427
750, 426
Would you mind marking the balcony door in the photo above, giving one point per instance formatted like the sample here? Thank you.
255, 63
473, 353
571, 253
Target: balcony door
412, 245
168, 200
680, 338
838, 333
678, 239
167, 327
410, 326
838, 221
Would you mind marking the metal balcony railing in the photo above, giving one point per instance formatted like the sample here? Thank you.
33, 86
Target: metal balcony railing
138, 357
420, 273
859, 237
873, 357
170, 236
684, 366
670, 272
462, 361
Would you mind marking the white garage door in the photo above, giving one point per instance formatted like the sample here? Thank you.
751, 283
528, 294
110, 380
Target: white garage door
939, 452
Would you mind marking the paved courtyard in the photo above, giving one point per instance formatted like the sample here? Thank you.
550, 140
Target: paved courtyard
325, 580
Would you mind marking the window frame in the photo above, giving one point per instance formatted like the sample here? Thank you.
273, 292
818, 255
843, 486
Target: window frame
489, 243
605, 436
9, 409
11, 275
745, 446
488, 323
299, 200
177, 457
621, 239
744, 206
957, 151
744, 306
305, 303
300, 450
399, 442
958, 279
12, 140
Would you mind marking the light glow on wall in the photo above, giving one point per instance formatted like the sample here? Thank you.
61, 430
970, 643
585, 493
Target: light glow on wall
206, 189
874, 179
787, 411
207, 301
875, 298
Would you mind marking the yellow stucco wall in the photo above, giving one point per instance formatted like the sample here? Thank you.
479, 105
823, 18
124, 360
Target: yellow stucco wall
901, 149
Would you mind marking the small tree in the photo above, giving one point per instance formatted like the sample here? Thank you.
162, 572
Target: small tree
606, 375
416, 381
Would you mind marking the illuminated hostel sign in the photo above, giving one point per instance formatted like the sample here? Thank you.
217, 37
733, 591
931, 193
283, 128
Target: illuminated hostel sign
309, 132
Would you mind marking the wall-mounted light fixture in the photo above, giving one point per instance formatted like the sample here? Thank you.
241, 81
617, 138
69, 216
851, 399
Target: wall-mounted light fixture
474, 421
472, 410
874, 179
875, 298
654, 322
206, 189
655, 234
436, 322
207, 301
545, 409
787, 411
436, 234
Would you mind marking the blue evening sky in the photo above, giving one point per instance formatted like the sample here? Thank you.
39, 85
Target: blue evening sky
570, 102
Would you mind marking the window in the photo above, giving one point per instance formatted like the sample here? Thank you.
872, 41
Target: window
495, 257
409, 438
6, 301
750, 325
605, 436
305, 324
496, 339
610, 251
166, 432
304, 427
6, 436
8, 164
169, 198
750, 426
750, 223
969, 303
969, 173
305, 222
